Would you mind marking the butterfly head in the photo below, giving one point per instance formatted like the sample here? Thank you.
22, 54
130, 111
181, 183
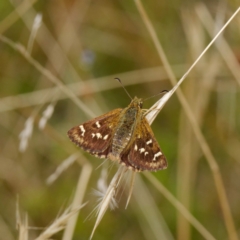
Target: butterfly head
136, 103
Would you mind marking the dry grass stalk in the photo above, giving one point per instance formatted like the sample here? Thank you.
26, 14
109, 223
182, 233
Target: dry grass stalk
222, 45
78, 199
59, 224
167, 97
101, 190
22, 226
26, 134
23, 229
19, 48
154, 225
8, 21
47, 113
203, 144
109, 197
36, 25
133, 175
79, 89
188, 148
62, 167
199, 227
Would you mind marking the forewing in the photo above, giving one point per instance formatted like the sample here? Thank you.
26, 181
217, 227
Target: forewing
144, 153
95, 136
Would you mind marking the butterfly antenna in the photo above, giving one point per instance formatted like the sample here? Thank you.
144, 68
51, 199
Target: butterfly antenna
118, 79
164, 91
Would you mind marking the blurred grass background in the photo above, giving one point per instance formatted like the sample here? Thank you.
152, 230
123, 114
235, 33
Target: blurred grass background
86, 44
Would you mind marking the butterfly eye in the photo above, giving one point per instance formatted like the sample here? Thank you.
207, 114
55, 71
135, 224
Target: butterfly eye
140, 104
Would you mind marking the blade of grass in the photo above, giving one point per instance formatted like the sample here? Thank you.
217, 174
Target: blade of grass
59, 224
78, 199
8, 21
204, 146
222, 45
188, 148
154, 220
19, 48
90, 86
199, 227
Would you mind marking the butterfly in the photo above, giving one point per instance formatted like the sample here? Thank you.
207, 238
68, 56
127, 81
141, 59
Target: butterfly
121, 135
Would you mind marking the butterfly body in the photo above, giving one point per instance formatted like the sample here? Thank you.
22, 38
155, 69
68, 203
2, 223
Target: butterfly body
122, 135
124, 130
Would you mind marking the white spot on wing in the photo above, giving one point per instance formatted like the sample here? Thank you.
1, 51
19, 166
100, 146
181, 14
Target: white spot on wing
149, 142
98, 135
105, 137
93, 135
141, 150
135, 147
145, 153
82, 129
98, 124
157, 155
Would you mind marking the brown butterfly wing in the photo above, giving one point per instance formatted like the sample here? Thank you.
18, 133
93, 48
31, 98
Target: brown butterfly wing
143, 152
95, 136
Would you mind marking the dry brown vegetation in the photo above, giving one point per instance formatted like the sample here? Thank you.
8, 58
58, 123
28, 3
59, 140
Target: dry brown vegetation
58, 60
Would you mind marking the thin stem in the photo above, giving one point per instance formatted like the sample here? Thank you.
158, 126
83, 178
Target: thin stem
19, 48
201, 229
202, 142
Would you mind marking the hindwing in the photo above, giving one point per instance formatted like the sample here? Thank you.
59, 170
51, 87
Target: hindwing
143, 151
